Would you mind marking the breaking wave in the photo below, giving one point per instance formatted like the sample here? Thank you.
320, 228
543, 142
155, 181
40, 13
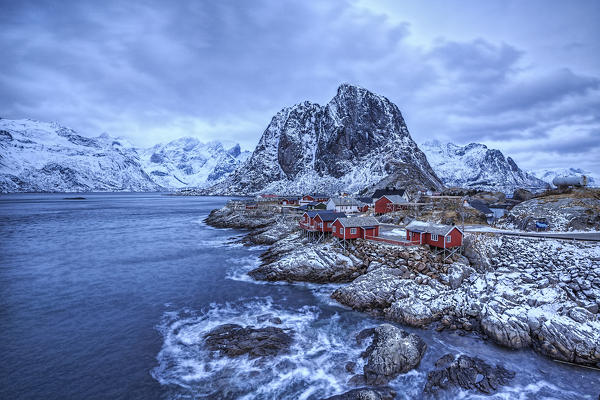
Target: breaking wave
314, 367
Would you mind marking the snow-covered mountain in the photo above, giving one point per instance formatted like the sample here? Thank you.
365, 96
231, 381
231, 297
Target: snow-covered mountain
187, 162
548, 174
47, 157
355, 141
475, 166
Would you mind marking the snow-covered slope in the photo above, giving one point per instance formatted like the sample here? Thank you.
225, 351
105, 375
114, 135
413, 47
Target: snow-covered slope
187, 162
548, 174
355, 141
46, 157
475, 166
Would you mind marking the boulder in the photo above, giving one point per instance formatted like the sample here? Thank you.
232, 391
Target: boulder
392, 352
470, 373
366, 393
234, 340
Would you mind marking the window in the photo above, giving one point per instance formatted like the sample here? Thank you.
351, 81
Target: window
333, 229
353, 231
329, 224
434, 237
448, 239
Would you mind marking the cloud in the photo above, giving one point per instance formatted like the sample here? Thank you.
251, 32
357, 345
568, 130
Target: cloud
153, 71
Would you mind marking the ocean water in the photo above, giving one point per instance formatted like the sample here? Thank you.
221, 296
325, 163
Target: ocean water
109, 297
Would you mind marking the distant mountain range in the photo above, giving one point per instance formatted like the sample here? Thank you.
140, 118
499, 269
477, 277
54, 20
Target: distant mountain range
47, 157
478, 167
357, 143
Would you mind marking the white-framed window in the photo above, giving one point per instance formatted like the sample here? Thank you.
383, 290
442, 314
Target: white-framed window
448, 239
333, 229
329, 224
434, 237
353, 231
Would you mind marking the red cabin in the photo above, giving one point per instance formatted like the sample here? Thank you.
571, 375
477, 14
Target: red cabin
389, 203
436, 235
325, 219
355, 228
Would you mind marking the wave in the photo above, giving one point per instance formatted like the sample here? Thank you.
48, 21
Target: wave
314, 367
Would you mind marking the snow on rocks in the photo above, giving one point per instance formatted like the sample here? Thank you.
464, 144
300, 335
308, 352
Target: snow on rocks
535, 293
392, 352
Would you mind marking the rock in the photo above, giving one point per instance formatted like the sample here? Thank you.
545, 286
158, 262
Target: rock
457, 272
234, 340
366, 393
522, 195
392, 352
467, 373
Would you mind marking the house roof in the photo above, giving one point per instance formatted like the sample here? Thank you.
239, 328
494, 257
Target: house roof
354, 222
395, 198
345, 201
367, 200
330, 216
311, 213
430, 227
383, 192
315, 203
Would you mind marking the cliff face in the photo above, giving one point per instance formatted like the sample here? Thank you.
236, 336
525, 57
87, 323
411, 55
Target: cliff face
356, 140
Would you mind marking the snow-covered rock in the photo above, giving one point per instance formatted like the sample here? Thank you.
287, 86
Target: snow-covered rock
478, 167
47, 157
356, 140
187, 162
548, 174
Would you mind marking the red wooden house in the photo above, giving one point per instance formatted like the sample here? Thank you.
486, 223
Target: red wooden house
309, 198
436, 235
355, 228
325, 219
389, 203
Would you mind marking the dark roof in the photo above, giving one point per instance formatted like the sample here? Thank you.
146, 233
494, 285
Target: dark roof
354, 222
315, 203
367, 200
312, 213
327, 216
382, 192
480, 206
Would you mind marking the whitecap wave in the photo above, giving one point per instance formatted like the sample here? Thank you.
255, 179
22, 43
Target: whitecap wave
314, 367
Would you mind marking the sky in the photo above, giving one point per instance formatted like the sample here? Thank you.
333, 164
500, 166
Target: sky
520, 76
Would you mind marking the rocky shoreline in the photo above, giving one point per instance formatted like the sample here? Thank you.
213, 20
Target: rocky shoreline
517, 292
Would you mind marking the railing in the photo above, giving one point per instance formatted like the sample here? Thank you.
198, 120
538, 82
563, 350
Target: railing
309, 227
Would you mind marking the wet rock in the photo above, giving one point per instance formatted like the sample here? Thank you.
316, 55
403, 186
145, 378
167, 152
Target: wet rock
235, 340
366, 393
392, 352
470, 373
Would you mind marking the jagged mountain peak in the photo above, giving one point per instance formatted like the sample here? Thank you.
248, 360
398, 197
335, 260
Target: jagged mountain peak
477, 166
355, 140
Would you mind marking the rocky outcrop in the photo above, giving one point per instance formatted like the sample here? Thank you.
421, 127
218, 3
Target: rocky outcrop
469, 373
309, 262
563, 212
233, 340
228, 217
354, 141
366, 393
517, 292
392, 352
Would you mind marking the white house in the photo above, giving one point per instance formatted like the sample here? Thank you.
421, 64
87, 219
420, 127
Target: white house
344, 204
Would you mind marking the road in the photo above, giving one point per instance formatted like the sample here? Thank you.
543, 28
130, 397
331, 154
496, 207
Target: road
587, 236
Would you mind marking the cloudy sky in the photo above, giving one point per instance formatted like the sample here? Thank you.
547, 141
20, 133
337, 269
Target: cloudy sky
521, 76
